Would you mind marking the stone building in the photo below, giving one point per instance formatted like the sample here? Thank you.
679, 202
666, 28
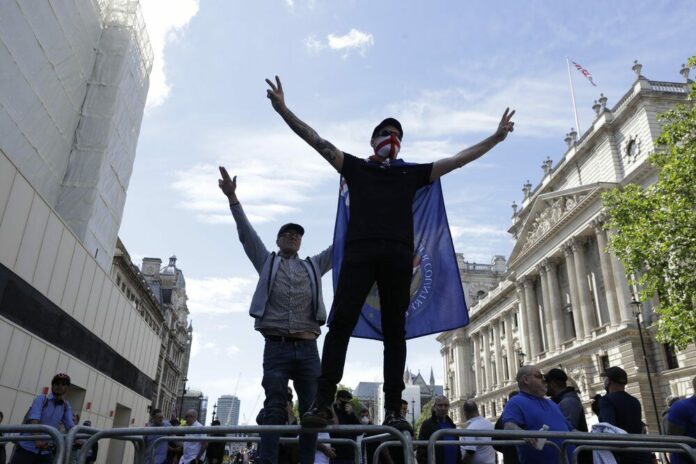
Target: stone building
564, 301
168, 286
75, 80
228, 410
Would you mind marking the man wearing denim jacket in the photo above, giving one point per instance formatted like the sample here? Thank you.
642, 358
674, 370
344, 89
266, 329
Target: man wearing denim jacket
288, 309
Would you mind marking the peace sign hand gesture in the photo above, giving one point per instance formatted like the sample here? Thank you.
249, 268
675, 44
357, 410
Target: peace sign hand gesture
505, 126
275, 94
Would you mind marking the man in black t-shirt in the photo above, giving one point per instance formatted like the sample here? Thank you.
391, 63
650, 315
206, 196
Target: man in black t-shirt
622, 410
378, 249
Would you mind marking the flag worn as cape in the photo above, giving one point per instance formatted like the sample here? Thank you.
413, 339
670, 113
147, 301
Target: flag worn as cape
437, 298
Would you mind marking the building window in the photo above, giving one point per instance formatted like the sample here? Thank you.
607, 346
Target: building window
506, 371
502, 329
604, 362
494, 411
483, 410
514, 321
671, 356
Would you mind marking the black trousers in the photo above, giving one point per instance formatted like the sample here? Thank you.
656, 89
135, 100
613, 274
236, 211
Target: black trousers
366, 262
22, 456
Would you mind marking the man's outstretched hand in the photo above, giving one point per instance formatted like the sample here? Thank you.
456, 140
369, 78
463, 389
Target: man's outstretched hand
227, 185
506, 125
275, 94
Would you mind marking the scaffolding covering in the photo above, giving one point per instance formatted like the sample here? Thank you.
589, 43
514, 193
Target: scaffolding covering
74, 76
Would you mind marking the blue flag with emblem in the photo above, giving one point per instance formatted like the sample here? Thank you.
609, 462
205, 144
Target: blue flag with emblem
437, 298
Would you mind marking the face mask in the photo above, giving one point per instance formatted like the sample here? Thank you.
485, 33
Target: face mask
387, 146
606, 384
365, 420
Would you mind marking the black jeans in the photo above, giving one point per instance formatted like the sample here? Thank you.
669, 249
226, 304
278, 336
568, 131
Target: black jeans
389, 264
22, 456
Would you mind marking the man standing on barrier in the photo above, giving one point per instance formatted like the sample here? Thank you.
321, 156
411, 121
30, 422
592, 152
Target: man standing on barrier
681, 420
379, 247
52, 409
289, 309
531, 410
439, 419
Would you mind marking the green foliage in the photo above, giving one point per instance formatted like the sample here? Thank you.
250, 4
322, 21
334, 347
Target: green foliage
426, 412
655, 227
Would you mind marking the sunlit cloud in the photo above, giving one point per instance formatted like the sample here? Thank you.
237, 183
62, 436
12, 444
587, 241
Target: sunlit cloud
219, 295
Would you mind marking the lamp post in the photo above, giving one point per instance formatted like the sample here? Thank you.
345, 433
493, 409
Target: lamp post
214, 409
520, 358
183, 392
636, 306
413, 413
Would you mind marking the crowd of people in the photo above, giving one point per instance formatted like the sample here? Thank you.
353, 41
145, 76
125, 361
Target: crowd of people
543, 401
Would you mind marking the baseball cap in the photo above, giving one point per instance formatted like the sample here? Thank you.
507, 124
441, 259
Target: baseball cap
616, 374
344, 394
61, 378
388, 122
291, 227
556, 374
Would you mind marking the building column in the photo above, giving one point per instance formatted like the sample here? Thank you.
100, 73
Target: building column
477, 372
464, 369
586, 308
455, 388
487, 358
607, 271
511, 353
549, 338
623, 292
533, 327
498, 355
522, 326
556, 310
573, 287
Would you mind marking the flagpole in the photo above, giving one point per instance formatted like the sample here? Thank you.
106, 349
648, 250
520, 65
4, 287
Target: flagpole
572, 96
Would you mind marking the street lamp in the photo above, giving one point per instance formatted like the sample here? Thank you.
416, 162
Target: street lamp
520, 357
214, 409
183, 392
636, 306
413, 413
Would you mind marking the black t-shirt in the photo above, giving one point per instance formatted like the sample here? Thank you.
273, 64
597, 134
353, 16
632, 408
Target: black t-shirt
381, 198
627, 416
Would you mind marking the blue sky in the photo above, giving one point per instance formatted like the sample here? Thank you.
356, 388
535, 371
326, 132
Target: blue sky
446, 70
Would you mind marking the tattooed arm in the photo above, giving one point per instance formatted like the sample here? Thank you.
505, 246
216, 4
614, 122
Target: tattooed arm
325, 148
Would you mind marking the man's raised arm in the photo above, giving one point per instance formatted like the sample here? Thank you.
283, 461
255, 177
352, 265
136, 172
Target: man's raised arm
325, 148
445, 165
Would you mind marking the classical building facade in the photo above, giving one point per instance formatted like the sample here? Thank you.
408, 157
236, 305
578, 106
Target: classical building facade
563, 300
168, 286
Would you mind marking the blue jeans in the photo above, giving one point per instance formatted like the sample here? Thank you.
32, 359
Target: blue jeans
283, 361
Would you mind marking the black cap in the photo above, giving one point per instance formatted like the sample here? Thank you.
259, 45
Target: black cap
616, 374
65, 378
344, 394
389, 122
556, 374
291, 226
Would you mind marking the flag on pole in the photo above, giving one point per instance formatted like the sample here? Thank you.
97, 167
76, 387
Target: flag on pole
585, 73
437, 298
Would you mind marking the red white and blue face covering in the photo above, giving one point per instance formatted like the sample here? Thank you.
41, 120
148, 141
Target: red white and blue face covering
387, 147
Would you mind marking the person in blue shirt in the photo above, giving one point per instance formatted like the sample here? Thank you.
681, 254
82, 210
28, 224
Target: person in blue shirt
156, 420
52, 409
531, 410
681, 420
438, 420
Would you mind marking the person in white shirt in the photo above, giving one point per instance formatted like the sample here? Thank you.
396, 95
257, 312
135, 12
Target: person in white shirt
472, 453
194, 451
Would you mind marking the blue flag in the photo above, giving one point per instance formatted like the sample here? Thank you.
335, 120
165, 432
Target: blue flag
437, 298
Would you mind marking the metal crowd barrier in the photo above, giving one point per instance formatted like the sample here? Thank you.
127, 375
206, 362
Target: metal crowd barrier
48, 434
610, 442
80, 432
181, 433
218, 439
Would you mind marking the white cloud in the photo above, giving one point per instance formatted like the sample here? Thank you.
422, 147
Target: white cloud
165, 21
219, 295
354, 40
232, 350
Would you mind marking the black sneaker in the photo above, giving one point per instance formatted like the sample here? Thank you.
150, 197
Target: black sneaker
396, 420
317, 416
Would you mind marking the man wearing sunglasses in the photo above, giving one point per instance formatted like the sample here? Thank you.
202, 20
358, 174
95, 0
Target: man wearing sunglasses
379, 246
288, 308
531, 410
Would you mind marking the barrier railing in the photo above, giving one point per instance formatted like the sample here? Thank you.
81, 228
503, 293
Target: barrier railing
80, 432
47, 434
207, 432
226, 439
612, 442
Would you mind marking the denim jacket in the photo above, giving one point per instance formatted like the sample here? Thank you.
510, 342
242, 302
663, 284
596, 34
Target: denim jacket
266, 264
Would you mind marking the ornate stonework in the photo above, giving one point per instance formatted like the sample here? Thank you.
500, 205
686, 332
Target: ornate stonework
551, 216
